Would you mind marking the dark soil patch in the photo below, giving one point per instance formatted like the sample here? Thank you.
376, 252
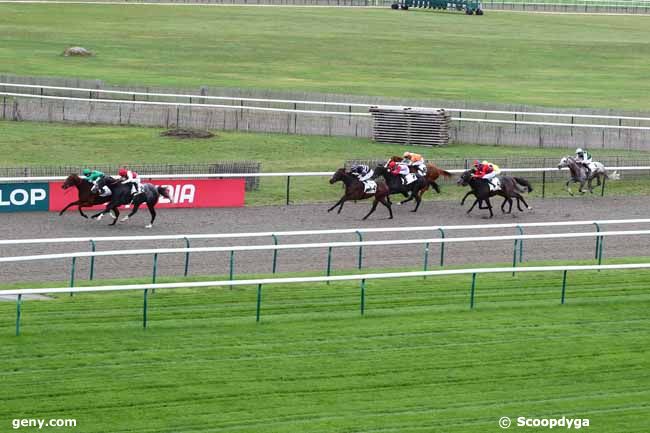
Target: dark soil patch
187, 133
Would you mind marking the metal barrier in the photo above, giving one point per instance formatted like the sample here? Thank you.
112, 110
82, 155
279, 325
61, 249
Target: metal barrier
362, 278
517, 249
359, 232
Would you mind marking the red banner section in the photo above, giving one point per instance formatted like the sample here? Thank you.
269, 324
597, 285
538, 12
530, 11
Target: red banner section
184, 193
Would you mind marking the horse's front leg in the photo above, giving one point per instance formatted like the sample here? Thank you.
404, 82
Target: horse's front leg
462, 202
489, 206
568, 188
70, 204
81, 212
337, 203
474, 204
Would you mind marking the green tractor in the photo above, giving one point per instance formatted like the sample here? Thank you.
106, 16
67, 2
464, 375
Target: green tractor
469, 6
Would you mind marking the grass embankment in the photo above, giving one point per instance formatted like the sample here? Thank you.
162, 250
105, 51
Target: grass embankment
553, 60
419, 360
46, 144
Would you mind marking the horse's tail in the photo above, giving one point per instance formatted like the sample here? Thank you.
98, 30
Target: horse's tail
520, 181
440, 171
164, 191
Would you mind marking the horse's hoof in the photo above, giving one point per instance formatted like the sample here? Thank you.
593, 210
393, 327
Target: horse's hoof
99, 218
112, 215
125, 218
530, 208
399, 203
148, 226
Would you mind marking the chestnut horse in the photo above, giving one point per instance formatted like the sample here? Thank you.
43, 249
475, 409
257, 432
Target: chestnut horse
87, 198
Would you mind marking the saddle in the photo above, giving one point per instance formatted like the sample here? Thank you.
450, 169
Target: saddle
369, 186
494, 183
409, 178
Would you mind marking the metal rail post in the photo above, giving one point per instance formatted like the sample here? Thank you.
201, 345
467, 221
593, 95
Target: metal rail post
598, 240
602, 190
471, 296
563, 287
18, 301
144, 310
426, 259
442, 247
363, 297
92, 261
521, 244
329, 263
74, 263
275, 253
187, 257
231, 272
288, 188
155, 268
514, 256
543, 184
259, 303
360, 258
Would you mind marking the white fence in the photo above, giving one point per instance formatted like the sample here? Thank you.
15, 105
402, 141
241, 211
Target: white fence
362, 278
346, 108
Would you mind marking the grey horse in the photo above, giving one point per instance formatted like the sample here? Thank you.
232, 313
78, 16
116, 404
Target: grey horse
580, 174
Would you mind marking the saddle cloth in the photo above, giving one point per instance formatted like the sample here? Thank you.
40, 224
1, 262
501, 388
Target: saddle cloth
370, 186
495, 184
409, 178
592, 166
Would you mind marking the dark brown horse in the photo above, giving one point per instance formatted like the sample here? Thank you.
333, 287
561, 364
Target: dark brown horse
355, 190
87, 198
511, 187
433, 173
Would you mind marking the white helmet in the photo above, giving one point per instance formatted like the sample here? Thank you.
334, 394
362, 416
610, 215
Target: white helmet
579, 150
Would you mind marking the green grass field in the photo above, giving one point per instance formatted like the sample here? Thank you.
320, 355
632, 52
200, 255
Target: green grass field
536, 59
419, 361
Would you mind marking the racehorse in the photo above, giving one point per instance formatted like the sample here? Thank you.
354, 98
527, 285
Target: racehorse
355, 190
121, 195
413, 190
87, 198
433, 173
579, 173
510, 187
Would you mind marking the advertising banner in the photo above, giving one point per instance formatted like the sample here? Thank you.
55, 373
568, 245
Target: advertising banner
184, 193
23, 197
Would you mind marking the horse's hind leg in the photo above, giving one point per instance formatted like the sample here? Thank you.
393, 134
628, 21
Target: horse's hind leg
152, 211
374, 206
436, 187
523, 200
135, 209
81, 212
117, 215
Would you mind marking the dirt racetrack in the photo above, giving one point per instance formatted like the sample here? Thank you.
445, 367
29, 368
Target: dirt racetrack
313, 217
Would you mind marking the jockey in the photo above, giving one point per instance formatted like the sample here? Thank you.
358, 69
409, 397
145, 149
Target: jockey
131, 177
583, 157
416, 160
486, 170
93, 176
362, 172
398, 169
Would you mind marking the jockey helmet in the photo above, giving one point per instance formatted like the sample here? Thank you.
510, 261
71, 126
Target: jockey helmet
122, 172
406, 155
579, 150
476, 163
86, 172
391, 164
